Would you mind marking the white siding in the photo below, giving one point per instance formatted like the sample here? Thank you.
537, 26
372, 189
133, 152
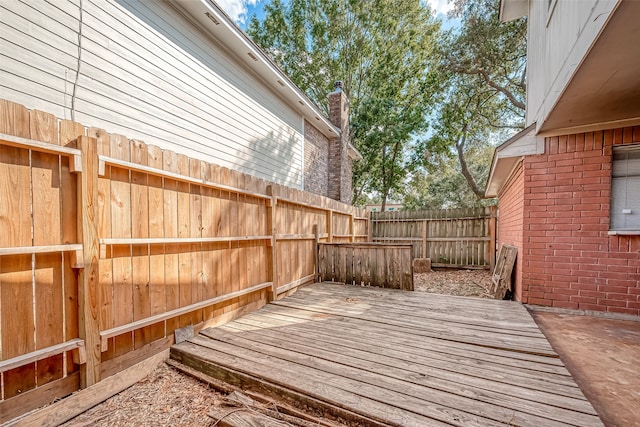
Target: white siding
556, 49
149, 74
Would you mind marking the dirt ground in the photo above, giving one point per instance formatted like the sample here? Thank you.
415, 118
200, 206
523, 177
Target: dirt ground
470, 283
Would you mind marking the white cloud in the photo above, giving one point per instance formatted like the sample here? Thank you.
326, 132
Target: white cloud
236, 9
440, 6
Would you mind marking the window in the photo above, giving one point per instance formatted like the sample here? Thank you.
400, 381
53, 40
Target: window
625, 188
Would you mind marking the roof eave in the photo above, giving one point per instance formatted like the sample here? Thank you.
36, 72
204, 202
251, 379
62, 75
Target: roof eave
508, 154
353, 152
513, 9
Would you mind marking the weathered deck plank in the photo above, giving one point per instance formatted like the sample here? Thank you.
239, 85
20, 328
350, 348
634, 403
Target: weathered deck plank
427, 362
397, 358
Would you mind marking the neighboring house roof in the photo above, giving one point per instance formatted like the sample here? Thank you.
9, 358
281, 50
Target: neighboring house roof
513, 9
354, 154
507, 156
207, 15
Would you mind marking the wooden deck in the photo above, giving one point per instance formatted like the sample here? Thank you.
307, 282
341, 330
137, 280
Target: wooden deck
385, 357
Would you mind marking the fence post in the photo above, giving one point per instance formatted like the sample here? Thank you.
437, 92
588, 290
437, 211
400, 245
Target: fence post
370, 227
352, 230
424, 239
88, 303
316, 255
493, 212
272, 205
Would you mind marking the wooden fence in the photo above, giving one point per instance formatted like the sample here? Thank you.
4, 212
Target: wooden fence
367, 264
462, 238
107, 245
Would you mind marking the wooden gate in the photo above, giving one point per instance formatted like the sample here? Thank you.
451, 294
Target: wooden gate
460, 238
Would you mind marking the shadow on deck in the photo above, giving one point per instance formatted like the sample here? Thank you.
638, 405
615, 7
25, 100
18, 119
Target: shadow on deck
383, 357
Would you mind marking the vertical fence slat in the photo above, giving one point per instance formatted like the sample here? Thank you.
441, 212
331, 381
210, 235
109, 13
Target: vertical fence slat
140, 253
157, 283
121, 227
170, 229
47, 227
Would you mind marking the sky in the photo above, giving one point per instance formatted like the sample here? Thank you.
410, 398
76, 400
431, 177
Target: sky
241, 10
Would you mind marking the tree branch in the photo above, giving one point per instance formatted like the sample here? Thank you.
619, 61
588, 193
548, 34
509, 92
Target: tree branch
506, 92
503, 90
463, 165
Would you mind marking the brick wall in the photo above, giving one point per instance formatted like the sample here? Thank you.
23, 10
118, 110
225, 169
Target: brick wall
510, 222
569, 260
316, 160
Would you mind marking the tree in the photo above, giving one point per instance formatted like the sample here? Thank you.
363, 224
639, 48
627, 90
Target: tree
383, 51
493, 51
442, 185
483, 98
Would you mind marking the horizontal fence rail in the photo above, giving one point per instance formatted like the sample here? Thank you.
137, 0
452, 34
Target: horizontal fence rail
107, 245
461, 238
367, 264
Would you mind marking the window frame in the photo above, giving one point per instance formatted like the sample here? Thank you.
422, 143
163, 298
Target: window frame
617, 229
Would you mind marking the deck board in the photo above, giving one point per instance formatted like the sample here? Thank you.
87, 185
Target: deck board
398, 358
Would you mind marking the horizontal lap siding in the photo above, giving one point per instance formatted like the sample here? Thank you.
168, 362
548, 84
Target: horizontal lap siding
552, 45
510, 220
570, 260
147, 73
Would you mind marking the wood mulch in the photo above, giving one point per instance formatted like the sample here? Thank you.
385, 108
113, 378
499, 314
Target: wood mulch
475, 283
168, 397
165, 397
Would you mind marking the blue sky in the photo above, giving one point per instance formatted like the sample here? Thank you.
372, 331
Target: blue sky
241, 10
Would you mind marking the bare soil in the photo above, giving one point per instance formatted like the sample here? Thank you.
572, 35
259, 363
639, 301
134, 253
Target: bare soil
474, 283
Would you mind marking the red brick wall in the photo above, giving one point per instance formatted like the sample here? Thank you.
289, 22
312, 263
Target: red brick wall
510, 222
569, 260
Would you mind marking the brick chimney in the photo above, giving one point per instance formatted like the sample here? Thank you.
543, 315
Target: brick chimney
340, 164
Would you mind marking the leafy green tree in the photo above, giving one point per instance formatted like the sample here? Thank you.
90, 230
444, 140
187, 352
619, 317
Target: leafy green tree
443, 186
493, 52
484, 61
385, 53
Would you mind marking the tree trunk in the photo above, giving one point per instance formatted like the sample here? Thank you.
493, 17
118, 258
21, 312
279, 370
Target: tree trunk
465, 170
